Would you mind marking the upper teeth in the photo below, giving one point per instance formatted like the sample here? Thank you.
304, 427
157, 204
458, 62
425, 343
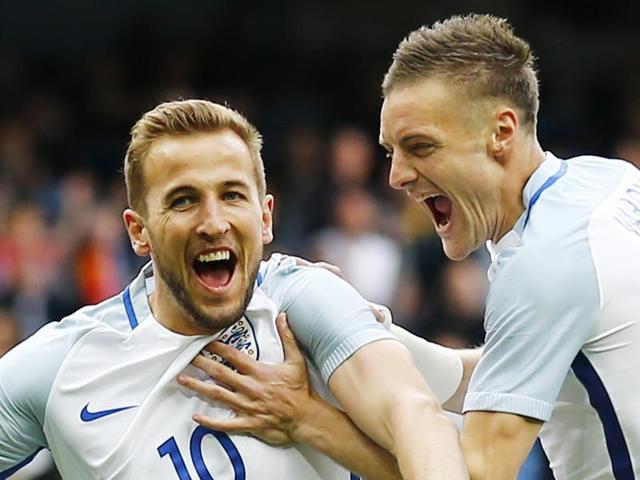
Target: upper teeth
214, 256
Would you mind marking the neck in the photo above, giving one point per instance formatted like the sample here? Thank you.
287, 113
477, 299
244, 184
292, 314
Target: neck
168, 312
526, 157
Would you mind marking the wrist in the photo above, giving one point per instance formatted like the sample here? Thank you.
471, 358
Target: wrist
308, 427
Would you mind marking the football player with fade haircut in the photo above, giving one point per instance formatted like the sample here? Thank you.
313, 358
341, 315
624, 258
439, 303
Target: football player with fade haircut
100, 388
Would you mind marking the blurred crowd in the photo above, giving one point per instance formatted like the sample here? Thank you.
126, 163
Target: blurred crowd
63, 245
64, 128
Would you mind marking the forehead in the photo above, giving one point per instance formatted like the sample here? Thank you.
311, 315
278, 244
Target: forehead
427, 107
218, 157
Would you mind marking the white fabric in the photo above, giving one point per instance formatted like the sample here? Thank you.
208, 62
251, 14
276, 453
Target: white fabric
56, 386
562, 318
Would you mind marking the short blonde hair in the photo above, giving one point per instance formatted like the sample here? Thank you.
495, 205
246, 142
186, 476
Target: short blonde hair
479, 52
185, 117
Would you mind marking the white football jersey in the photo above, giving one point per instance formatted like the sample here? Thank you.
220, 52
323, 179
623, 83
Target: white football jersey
563, 318
99, 388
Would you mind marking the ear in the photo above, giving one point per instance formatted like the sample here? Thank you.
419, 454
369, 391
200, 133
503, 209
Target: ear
138, 234
504, 132
267, 219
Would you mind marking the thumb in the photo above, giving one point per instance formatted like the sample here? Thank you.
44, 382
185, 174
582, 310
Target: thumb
291, 350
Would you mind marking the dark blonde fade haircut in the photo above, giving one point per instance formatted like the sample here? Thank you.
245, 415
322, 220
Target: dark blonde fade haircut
185, 117
479, 53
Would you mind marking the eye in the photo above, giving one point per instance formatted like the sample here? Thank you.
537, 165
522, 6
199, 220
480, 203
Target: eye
421, 149
233, 195
180, 203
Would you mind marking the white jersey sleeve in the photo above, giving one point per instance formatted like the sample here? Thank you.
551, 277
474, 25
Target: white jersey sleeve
329, 318
26, 375
540, 312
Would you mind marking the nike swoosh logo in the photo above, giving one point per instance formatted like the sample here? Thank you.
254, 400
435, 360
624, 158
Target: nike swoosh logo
87, 416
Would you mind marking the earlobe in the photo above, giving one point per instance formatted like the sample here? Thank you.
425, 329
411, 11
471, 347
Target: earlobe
267, 219
137, 232
506, 127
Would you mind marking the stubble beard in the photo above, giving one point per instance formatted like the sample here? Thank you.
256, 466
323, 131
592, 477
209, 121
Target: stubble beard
200, 316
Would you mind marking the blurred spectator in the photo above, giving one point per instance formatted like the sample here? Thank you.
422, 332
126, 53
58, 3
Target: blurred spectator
351, 159
100, 262
28, 266
463, 288
9, 331
368, 259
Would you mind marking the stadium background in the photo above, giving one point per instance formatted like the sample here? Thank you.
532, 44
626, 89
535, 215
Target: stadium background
76, 74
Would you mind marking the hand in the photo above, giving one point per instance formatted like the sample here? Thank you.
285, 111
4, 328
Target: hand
301, 262
270, 400
382, 313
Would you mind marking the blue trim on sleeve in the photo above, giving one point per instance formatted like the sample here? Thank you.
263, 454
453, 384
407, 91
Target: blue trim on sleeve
7, 473
550, 181
259, 279
128, 306
599, 399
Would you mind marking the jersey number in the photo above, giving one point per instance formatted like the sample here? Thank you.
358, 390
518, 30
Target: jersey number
170, 447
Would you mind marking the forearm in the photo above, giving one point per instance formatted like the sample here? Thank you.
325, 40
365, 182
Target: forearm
470, 359
330, 431
447, 371
496, 444
426, 441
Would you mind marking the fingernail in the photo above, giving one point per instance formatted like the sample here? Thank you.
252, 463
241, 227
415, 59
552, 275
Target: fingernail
196, 418
182, 379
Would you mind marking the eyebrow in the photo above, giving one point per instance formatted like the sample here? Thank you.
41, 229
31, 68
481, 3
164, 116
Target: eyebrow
235, 183
421, 136
179, 189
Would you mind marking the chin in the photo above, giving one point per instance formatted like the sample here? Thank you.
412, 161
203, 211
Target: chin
455, 252
215, 319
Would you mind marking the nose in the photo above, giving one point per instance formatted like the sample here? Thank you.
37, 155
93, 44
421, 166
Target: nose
213, 220
401, 175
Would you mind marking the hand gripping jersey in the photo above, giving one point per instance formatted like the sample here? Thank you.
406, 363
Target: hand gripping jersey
99, 388
563, 318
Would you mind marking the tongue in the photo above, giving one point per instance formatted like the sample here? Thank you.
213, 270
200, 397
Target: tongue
215, 277
442, 205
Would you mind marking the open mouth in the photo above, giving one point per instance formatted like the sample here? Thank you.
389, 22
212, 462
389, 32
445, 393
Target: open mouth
215, 268
441, 208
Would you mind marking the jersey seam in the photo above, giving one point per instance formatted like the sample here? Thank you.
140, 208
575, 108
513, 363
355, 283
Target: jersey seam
621, 185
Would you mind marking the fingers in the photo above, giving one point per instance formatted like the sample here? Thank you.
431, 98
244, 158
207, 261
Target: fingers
240, 361
229, 425
332, 268
376, 313
382, 314
219, 372
292, 352
214, 392
301, 262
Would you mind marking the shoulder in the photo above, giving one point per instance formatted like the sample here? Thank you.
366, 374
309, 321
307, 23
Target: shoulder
282, 279
330, 319
28, 371
549, 275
